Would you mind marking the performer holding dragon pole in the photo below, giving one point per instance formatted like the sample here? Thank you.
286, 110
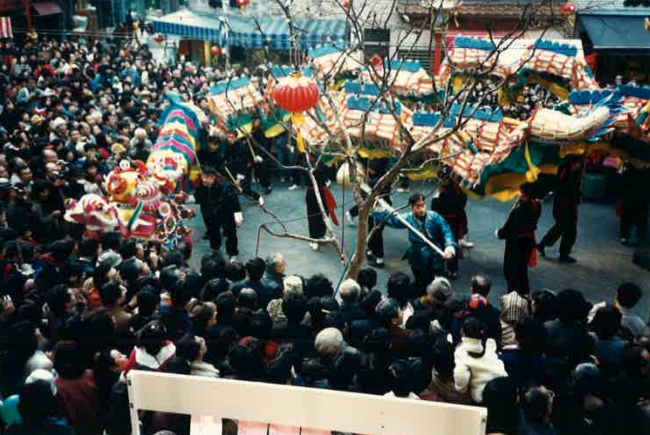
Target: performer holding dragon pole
431, 238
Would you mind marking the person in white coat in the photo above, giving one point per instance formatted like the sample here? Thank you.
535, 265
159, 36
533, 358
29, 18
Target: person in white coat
476, 360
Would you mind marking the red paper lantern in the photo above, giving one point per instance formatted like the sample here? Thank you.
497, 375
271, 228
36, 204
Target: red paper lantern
159, 38
243, 3
215, 50
346, 4
569, 8
296, 94
376, 60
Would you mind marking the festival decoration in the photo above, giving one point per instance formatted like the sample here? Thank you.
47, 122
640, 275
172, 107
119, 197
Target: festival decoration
173, 155
569, 8
243, 4
332, 61
232, 101
159, 38
490, 153
92, 211
406, 77
296, 94
215, 50
138, 205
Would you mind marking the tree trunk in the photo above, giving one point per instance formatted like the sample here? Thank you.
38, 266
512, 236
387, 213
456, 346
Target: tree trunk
360, 249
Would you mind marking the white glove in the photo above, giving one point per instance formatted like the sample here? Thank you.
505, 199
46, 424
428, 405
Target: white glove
240, 177
496, 233
239, 218
258, 159
291, 148
378, 206
260, 201
449, 253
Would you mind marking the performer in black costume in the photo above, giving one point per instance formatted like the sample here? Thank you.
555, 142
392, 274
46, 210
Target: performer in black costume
449, 202
219, 201
315, 220
633, 203
519, 233
567, 196
375, 254
239, 162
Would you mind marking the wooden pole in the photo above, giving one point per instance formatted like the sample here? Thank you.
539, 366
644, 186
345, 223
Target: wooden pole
28, 16
386, 206
207, 53
437, 52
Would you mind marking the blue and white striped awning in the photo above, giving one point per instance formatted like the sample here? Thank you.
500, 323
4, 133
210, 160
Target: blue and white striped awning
251, 32
190, 25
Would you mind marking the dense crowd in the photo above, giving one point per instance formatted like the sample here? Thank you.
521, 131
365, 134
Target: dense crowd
79, 313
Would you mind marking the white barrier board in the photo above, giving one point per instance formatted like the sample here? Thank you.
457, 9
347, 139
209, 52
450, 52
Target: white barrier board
298, 407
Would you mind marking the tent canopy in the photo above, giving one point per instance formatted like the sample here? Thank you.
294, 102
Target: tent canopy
616, 34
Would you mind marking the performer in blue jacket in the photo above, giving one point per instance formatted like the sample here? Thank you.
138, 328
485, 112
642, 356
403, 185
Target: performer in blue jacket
425, 263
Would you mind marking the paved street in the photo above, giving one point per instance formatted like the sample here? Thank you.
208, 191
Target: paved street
602, 262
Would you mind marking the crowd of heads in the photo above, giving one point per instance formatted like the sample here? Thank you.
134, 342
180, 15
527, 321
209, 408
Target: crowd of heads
80, 312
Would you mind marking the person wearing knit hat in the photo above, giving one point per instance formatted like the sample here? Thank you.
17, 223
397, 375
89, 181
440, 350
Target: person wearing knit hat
58, 122
488, 313
440, 290
274, 309
476, 301
118, 149
329, 342
513, 308
36, 120
292, 284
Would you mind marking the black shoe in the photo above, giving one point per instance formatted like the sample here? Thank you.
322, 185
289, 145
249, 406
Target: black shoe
541, 249
375, 262
566, 259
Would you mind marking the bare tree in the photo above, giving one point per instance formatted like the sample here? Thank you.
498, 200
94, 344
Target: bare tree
453, 108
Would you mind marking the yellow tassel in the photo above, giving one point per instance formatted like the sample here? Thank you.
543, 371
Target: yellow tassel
533, 171
297, 119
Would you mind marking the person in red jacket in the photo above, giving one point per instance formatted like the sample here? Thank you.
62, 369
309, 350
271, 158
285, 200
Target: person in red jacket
77, 389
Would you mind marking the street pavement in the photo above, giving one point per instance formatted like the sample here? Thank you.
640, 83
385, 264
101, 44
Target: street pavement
603, 263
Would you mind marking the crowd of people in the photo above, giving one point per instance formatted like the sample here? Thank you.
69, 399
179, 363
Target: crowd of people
78, 313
